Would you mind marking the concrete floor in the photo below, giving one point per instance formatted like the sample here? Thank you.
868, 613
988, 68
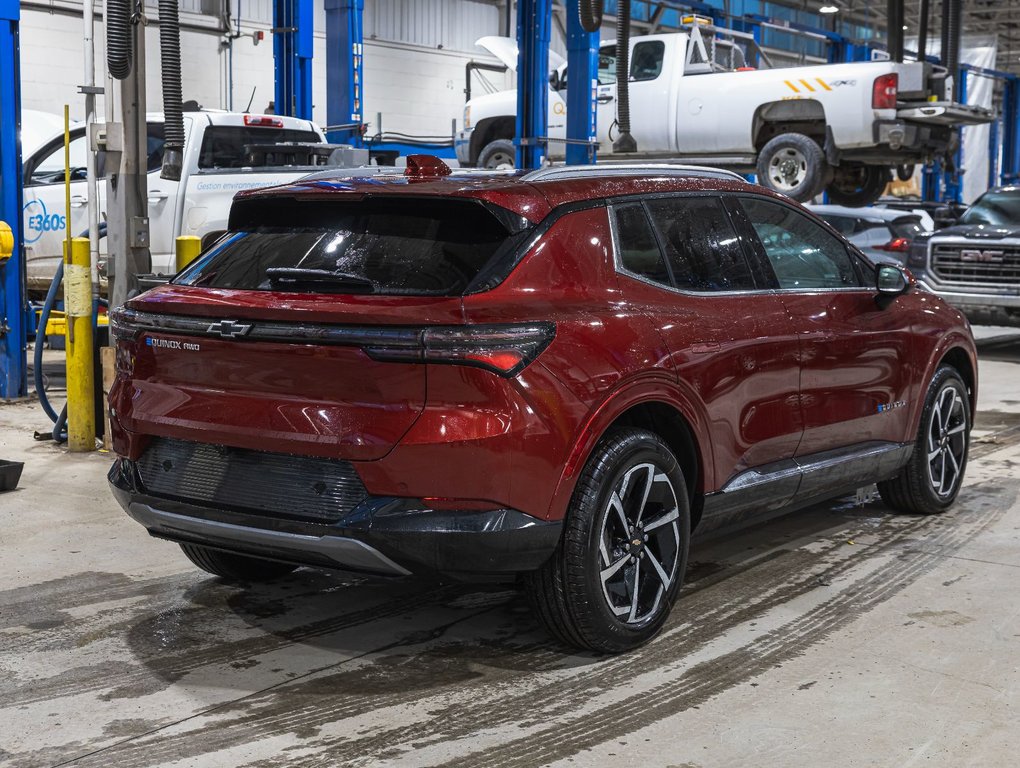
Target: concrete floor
837, 636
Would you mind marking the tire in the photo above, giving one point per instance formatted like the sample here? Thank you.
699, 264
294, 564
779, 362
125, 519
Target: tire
500, 153
930, 481
630, 605
235, 568
905, 172
794, 165
857, 186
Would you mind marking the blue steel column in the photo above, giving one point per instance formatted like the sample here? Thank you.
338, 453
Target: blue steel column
13, 380
534, 29
293, 39
1011, 131
582, 87
344, 69
954, 180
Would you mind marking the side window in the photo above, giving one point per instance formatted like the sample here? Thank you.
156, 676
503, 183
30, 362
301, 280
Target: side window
802, 254
607, 65
50, 167
639, 252
646, 61
154, 141
703, 250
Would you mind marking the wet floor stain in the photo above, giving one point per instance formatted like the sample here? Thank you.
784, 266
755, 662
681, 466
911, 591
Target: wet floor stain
331, 670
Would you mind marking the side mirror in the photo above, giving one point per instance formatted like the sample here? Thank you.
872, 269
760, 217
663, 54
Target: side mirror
892, 281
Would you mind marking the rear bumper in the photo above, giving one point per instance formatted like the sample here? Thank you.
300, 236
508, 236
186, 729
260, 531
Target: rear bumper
383, 536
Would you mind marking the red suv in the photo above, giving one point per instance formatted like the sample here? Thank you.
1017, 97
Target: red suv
552, 376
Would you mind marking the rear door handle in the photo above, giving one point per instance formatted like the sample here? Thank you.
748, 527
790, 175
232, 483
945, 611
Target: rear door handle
77, 201
605, 98
156, 196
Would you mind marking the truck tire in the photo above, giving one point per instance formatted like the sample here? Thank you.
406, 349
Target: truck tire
612, 581
857, 186
235, 568
794, 165
498, 154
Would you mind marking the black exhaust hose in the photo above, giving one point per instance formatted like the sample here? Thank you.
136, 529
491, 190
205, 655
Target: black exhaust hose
922, 31
625, 142
173, 113
119, 44
590, 12
894, 15
951, 52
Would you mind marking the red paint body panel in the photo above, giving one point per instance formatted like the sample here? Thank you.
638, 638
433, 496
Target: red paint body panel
757, 377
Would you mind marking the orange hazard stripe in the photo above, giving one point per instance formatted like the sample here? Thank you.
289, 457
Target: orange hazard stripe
807, 85
792, 86
822, 83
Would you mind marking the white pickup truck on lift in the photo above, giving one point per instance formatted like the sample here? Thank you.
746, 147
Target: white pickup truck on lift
217, 164
834, 127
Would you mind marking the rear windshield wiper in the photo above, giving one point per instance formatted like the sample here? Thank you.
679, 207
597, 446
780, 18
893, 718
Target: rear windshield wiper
295, 276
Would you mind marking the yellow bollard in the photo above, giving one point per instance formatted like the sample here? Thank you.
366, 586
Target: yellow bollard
6, 241
188, 248
81, 402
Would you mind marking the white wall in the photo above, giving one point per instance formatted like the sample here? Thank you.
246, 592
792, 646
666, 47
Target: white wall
415, 53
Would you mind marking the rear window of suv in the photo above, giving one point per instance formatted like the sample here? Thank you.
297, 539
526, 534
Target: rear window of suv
223, 146
399, 246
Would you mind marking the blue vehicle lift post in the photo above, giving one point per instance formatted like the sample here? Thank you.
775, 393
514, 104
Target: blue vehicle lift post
1011, 132
13, 304
293, 37
344, 71
534, 31
582, 88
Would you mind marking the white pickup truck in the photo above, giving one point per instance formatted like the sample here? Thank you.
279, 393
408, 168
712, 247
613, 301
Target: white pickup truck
835, 127
217, 164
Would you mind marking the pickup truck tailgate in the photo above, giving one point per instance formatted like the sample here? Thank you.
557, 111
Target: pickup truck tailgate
944, 113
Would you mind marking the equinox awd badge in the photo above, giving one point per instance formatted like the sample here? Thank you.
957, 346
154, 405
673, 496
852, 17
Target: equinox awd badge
229, 329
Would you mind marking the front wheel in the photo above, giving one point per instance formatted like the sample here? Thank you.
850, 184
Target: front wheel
612, 581
932, 478
497, 155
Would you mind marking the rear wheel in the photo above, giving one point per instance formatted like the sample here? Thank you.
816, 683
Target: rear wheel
857, 185
931, 480
612, 581
498, 154
238, 568
793, 164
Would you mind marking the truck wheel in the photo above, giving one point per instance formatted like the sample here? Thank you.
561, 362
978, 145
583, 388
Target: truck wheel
858, 185
611, 583
498, 154
236, 568
932, 478
793, 164
905, 172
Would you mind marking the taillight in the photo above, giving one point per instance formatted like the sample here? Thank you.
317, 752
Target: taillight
263, 121
883, 94
502, 349
899, 245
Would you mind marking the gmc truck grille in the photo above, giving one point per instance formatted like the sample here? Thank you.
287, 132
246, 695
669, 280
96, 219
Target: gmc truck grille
980, 264
270, 484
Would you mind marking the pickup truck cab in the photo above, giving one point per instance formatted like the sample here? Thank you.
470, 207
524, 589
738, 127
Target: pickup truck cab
215, 168
835, 127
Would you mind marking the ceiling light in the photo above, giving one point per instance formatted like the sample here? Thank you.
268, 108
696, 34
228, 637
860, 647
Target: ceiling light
828, 9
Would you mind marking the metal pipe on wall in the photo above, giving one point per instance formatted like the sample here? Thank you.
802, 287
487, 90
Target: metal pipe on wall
922, 31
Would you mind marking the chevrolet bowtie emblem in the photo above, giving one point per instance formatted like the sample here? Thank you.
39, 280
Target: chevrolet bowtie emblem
229, 329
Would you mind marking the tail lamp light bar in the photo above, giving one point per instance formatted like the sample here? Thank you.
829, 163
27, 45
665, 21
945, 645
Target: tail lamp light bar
503, 348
